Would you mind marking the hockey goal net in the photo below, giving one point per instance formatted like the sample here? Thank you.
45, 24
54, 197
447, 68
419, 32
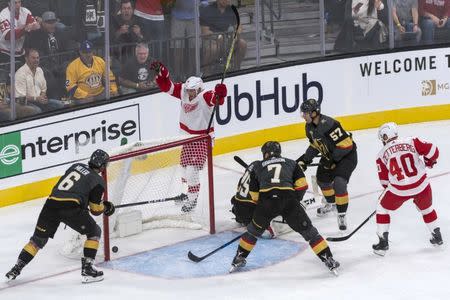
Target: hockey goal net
166, 183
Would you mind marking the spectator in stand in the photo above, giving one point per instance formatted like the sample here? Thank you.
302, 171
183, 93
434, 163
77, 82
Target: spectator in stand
136, 74
85, 77
362, 30
66, 11
25, 23
217, 20
51, 45
151, 17
125, 30
38, 7
406, 19
31, 84
434, 15
22, 108
87, 26
183, 33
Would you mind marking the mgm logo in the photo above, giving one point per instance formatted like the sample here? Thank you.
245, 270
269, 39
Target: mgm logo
431, 87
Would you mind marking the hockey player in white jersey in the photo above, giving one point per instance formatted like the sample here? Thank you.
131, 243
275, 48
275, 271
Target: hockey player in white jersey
197, 105
402, 172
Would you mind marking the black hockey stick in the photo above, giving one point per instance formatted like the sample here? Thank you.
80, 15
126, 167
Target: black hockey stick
344, 238
179, 197
244, 164
196, 258
227, 64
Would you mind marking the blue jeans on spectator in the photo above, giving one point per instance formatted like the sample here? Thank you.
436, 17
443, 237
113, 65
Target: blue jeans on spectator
428, 29
154, 33
51, 104
409, 34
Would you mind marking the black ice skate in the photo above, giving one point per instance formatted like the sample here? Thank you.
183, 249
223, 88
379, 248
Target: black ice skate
332, 265
15, 271
188, 206
342, 221
325, 209
238, 262
436, 237
88, 272
382, 246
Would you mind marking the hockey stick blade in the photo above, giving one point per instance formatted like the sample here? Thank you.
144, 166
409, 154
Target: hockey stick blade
346, 237
196, 258
193, 257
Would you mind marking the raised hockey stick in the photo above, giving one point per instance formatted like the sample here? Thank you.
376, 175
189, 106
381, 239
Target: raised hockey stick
227, 64
196, 258
179, 197
344, 238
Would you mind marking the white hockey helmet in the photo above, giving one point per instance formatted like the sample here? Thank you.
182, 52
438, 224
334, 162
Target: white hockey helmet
387, 132
193, 83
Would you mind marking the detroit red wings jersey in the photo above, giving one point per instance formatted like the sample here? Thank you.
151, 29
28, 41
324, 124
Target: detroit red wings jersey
194, 114
401, 168
24, 17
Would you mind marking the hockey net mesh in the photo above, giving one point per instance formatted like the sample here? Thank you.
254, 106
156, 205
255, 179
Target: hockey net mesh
172, 173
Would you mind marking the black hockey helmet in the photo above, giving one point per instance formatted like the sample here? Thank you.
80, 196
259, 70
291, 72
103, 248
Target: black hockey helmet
310, 106
272, 148
99, 159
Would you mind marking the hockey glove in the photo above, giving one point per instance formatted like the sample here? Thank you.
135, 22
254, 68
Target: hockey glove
160, 69
328, 164
220, 90
303, 163
429, 163
109, 208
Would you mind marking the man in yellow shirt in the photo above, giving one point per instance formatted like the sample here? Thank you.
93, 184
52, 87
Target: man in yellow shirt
85, 77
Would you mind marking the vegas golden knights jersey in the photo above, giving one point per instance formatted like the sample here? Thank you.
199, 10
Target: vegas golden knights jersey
328, 138
278, 173
79, 186
83, 81
243, 187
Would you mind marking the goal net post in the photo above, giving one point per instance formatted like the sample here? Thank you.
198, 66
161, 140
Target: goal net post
165, 183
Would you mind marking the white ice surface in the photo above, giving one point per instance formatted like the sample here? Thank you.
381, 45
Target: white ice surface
412, 268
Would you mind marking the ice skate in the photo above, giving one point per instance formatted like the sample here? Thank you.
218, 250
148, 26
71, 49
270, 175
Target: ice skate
15, 271
88, 272
325, 209
342, 221
238, 263
332, 265
436, 237
382, 246
188, 206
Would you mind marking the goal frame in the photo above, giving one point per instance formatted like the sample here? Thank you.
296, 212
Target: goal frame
151, 149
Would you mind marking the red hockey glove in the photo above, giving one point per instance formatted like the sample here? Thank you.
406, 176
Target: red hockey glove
429, 163
160, 69
221, 90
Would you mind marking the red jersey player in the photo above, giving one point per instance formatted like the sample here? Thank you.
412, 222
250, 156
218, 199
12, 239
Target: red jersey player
197, 106
402, 171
